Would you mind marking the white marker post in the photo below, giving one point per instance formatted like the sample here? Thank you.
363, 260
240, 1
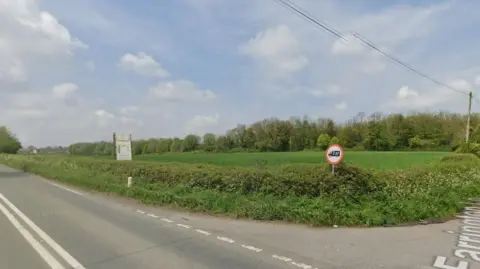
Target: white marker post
129, 182
334, 155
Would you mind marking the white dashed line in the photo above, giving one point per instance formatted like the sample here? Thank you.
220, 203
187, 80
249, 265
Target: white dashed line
282, 258
225, 239
291, 261
231, 241
203, 232
65, 188
302, 265
252, 248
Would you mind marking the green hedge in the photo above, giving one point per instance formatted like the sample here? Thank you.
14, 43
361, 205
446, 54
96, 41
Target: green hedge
300, 180
297, 193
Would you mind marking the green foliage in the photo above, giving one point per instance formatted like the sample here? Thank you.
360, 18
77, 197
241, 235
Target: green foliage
460, 158
191, 143
209, 141
8, 141
334, 140
323, 141
473, 148
422, 131
298, 193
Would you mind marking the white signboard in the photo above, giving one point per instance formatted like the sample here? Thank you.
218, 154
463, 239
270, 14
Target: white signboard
334, 154
123, 147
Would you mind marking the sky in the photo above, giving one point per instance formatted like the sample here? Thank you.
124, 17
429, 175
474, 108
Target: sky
79, 70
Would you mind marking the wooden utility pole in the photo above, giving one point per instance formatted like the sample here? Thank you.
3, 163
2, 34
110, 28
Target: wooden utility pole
467, 133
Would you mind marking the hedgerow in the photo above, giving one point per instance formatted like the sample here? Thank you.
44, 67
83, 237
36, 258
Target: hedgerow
297, 193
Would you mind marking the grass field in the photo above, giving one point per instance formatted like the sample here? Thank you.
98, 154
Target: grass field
377, 160
306, 194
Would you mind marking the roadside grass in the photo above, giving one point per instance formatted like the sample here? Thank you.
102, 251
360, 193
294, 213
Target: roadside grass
365, 159
295, 193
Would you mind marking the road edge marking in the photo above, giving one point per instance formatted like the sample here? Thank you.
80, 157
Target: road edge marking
60, 250
65, 188
42, 251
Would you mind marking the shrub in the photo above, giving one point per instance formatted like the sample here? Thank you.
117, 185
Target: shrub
298, 180
460, 158
299, 193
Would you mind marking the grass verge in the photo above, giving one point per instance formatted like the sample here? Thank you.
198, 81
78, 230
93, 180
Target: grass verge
295, 193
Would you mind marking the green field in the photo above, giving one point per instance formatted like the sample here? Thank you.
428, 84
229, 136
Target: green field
377, 160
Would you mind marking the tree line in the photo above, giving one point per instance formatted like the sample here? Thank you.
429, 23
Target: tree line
439, 131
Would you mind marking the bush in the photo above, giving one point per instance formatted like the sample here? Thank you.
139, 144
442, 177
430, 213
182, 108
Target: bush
299, 193
460, 158
298, 180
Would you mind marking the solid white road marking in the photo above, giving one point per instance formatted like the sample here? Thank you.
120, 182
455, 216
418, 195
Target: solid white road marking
203, 232
140, 211
61, 251
167, 220
184, 226
46, 256
153, 216
225, 239
252, 248
65, 188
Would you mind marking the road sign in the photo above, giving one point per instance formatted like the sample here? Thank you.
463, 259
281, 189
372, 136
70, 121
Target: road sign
334, 154
123, 147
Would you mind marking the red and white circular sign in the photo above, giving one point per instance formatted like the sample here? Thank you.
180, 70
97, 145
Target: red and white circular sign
334, 154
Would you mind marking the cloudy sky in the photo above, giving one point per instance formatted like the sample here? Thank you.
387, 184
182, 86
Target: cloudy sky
78, 70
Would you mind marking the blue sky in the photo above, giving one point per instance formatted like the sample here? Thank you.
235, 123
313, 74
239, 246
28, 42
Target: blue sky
82, 70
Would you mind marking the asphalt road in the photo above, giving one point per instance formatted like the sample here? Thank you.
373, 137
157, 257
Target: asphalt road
47, 225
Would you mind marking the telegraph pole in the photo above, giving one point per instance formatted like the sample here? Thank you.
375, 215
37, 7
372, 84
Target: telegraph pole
467, 133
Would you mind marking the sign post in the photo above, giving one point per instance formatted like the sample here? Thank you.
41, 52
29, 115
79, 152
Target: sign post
334, 155
123, 147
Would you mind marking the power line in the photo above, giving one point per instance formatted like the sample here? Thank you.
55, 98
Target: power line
310, 18
393, 58
299, 11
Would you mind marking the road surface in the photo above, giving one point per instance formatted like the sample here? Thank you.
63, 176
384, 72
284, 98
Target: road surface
47, 225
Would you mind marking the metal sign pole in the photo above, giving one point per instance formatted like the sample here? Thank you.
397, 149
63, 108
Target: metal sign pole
333, 170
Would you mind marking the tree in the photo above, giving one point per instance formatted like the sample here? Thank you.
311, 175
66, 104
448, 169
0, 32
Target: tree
9, 143
323, 141
176, 145
191, 142
334, 140
209, 141
419, 131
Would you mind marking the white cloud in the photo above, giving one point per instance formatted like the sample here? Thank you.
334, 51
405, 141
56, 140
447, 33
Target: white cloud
350, 46
180, 90
143, 64
341, 106
64, 91
390, 27
277, 51
460, 84
201, 123
104, 118
306, 69
408, 98
330, 90
129, 109
28, 35
477, 80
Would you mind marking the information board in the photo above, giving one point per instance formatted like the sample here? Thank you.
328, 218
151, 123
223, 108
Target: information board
123, 147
